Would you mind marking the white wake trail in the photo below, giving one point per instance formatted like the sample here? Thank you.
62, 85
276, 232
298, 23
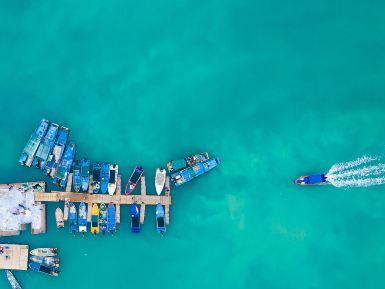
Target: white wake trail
363, 172
340, 167
359, 182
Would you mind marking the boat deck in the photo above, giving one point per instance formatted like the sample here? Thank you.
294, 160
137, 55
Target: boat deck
14, 257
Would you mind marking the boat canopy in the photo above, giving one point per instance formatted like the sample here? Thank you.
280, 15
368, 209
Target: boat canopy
179, 164
319, 178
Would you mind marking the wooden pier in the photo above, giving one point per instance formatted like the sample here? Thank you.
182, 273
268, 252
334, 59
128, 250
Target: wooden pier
118, 199
13, 257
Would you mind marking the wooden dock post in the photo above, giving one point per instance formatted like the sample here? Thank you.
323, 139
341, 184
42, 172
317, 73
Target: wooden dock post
118, 193
143, 194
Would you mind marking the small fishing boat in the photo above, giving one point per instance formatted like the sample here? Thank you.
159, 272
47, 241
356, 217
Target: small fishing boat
134, 180
85, 174
56, 154
45, 147
318, 179
114, 170
104, 178
96, 177
44, 252
12, 280
160, 219
59, 218
66, 210
82, 220
103, 218
190, 173
72, 219
76, 178
47, 261
95, 219
65, 166
160, 179
111, 217
190, 161
135, 218
52, 271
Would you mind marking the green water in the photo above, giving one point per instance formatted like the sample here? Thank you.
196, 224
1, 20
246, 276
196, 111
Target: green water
276, 89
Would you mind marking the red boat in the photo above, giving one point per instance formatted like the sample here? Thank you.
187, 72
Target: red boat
134, 180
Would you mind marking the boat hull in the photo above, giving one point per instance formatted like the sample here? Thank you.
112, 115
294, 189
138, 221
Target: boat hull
160, 179
59, 218
134, 180
44, 252
95, 219
312, 180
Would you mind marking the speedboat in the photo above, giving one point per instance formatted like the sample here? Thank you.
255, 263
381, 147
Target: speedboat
134, 180
111, 218
135, 218
114, 169
104, 177
103, 218
48, 261
160, 179
95, 219
311, 180
44, 252
160, 219
59, 218
96, 177
12, 280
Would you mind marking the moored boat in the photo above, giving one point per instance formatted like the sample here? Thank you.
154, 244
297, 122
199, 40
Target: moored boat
47, 261
82, 220
12, 280
56, 154
96, 177
111, 217
104, 177
66, 210
45, 147
59, 218
95, 219
44, 252
103, 218
72, 219
189, 161
30, 149
43, 269
76, 178
134, 179
189, 173
65, 166
311, 180
85, 174
160, 179
160, 219
114, 170
135, 218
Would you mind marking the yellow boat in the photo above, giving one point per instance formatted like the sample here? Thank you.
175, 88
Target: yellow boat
95, 219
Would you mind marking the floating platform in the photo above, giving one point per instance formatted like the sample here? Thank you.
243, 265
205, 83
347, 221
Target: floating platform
13, 257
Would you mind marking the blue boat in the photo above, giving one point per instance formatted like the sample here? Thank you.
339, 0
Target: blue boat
82, 220
103, 218
135, 218
72, 219
189, 161
160, 219
65, 166
85, 174
30, 149
134, 180
104, 178
53, 271
45, 147
189, 173
111, 219
96, 177
318, 179
76, 177
57, 152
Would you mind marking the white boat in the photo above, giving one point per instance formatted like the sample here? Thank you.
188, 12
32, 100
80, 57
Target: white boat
114, 170
82, 218
59, 218
12, 280
66, 209
160, 178
44, 252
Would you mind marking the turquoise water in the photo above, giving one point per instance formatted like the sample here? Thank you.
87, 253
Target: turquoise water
276, 89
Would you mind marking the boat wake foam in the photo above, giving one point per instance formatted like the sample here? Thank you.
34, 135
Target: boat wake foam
363, 172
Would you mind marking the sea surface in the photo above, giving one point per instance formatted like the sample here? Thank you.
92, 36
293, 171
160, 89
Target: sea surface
275, 88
